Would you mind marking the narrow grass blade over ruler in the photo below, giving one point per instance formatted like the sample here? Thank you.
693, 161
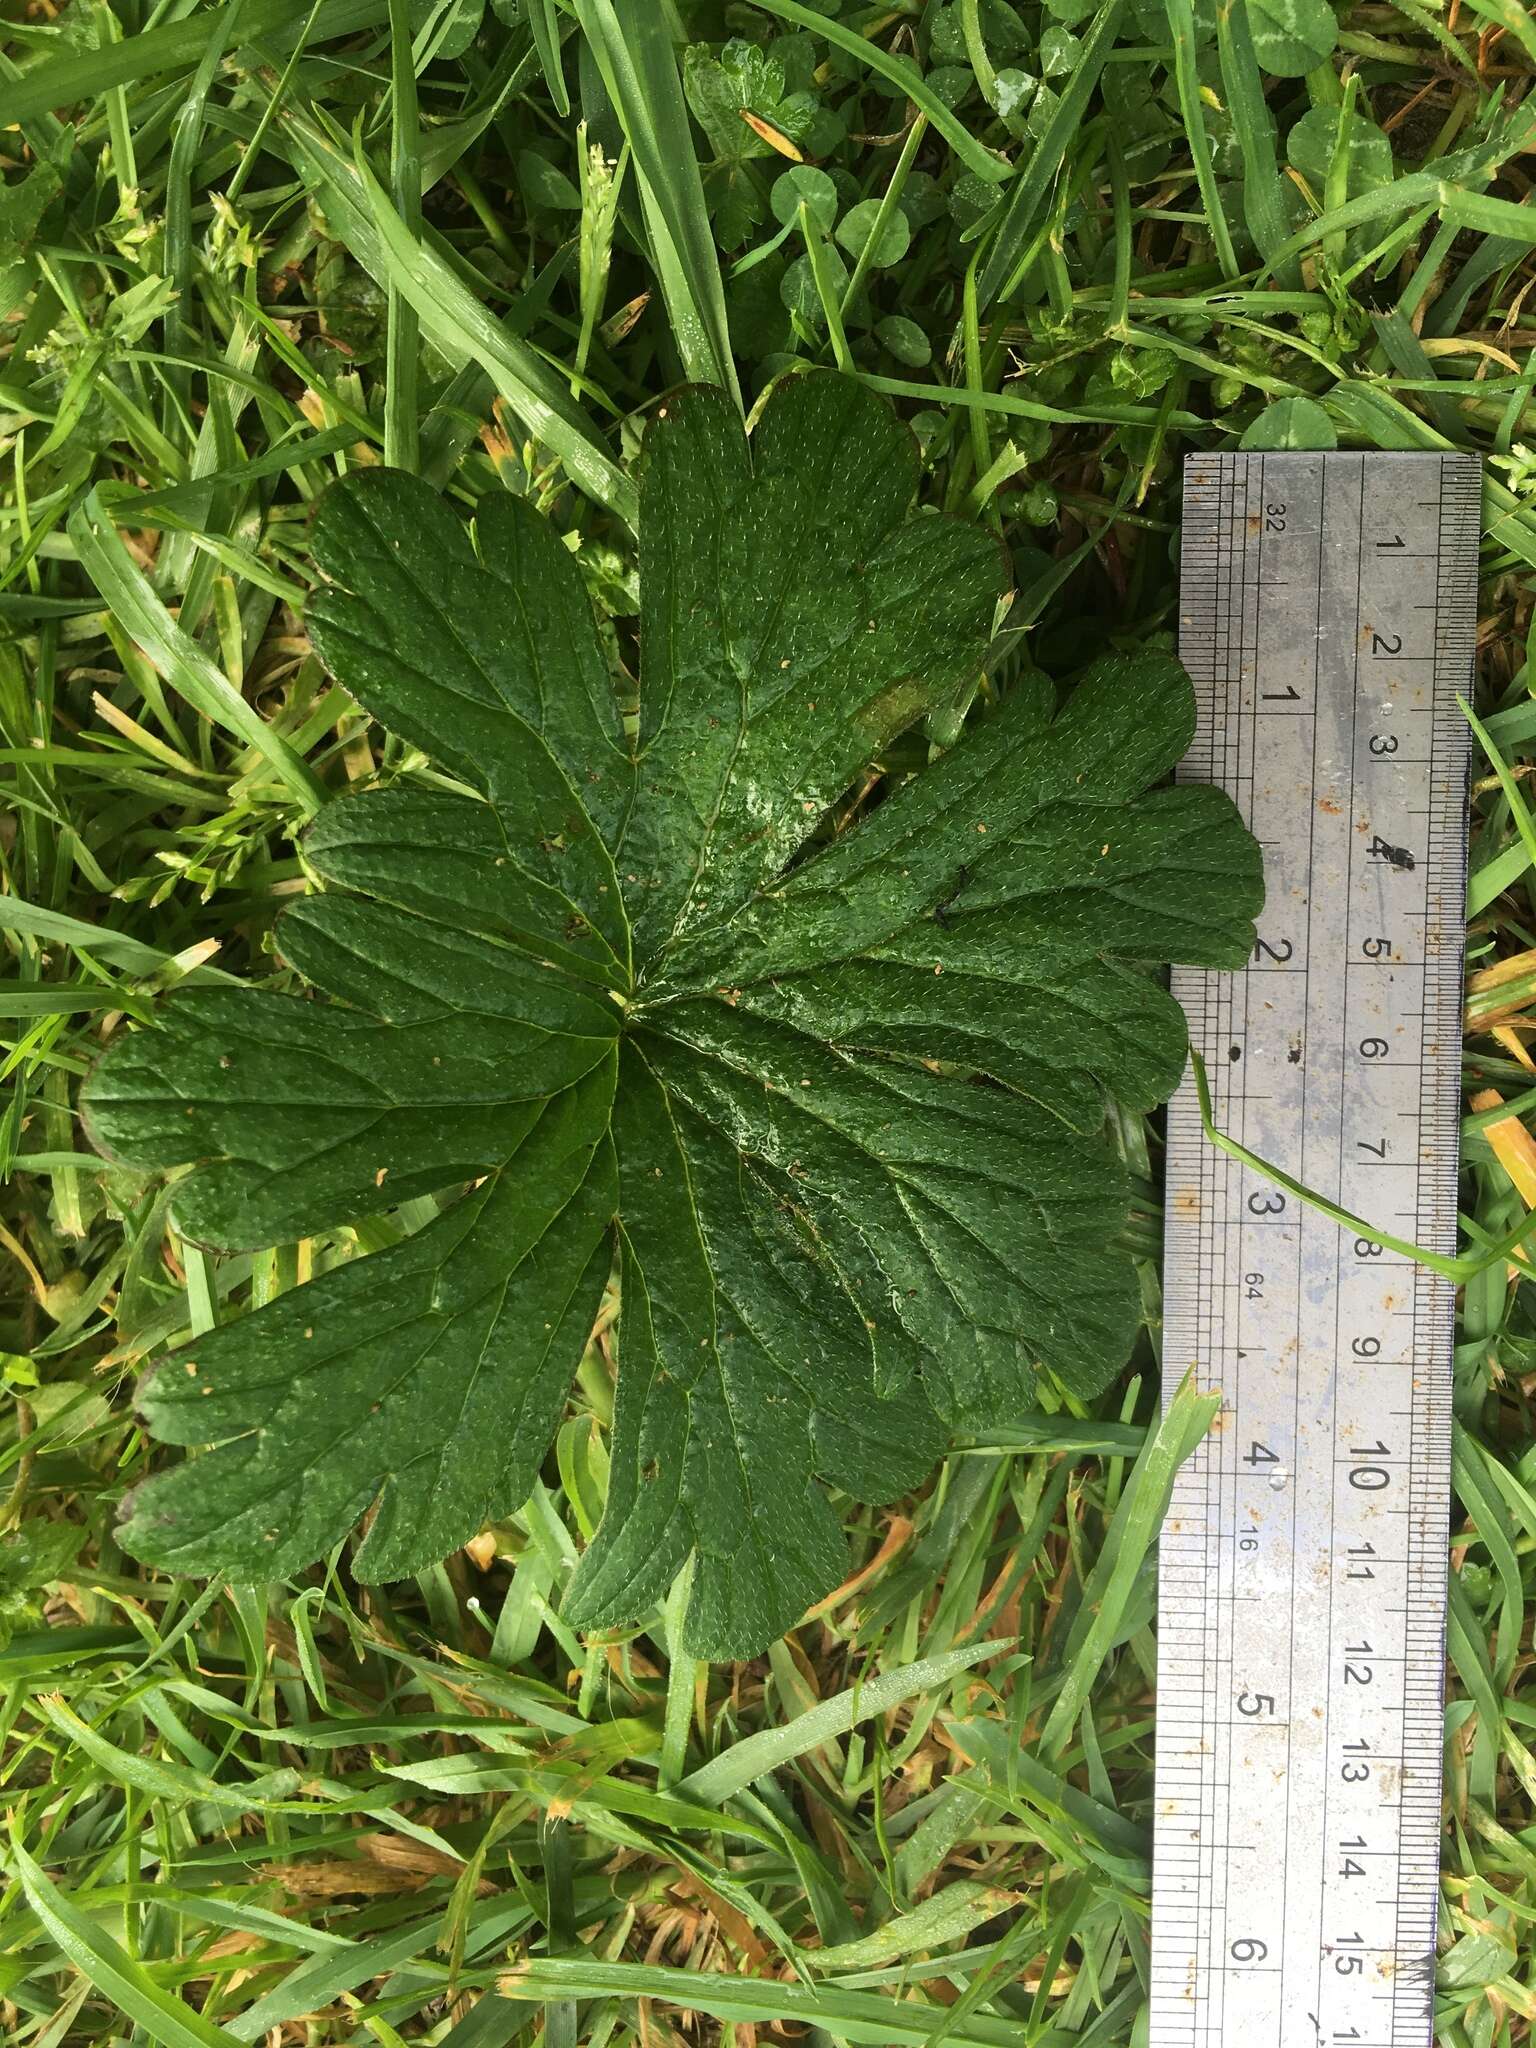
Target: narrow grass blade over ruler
1328, 619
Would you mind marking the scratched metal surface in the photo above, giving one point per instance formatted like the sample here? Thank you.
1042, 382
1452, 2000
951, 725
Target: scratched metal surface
1328, 619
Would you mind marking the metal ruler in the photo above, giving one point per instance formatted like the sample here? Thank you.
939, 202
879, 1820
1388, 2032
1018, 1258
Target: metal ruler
1328, 619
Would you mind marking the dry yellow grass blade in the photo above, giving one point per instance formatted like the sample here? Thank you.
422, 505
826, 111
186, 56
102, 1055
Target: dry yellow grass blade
1514, 1045
774, 137
1500, 994
1513, 1147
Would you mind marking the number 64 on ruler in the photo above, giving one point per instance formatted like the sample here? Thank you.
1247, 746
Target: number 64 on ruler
1328, 618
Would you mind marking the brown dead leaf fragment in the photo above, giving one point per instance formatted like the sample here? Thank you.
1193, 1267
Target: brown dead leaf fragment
387, 1866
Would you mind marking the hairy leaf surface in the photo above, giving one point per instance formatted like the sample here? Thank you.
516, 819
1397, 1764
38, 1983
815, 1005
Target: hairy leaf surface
829, 1100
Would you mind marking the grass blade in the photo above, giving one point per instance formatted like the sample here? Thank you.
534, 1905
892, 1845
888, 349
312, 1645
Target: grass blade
1034, 180
178, 658
634, 54
401, 441
949, 1915
1454, 204
52, 927
545, 29
846, 2015
1253, 125
1181, 26
81, 74
1132, 1532
361, 214
111, 1969
900, 71
757, 1755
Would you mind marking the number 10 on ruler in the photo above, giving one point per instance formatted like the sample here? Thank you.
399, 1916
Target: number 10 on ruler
1328, 620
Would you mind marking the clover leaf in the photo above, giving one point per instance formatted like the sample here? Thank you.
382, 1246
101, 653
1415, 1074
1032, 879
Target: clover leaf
829, 1093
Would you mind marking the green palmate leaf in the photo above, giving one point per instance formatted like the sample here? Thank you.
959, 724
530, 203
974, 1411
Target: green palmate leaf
735, 97
830, 1098
743, 79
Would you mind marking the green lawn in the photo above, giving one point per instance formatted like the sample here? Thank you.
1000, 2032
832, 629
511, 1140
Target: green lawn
247, 248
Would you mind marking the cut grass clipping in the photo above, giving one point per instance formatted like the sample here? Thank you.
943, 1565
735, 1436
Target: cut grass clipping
254, 256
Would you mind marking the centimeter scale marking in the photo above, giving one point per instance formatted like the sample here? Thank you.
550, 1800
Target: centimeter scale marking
1328, 621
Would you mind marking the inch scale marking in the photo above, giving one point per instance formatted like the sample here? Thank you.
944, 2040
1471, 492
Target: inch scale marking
1328, 619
